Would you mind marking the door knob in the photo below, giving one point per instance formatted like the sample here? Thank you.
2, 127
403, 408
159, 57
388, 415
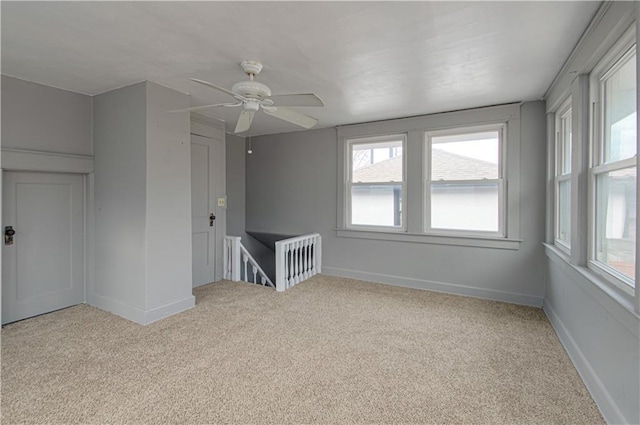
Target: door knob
8, 235
211, 218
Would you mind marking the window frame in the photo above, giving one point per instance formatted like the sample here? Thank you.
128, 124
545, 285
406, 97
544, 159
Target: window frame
349, 143
565, 109
501, 128
623, 51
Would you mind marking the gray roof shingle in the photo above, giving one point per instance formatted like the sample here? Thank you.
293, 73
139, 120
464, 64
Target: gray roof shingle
446, 166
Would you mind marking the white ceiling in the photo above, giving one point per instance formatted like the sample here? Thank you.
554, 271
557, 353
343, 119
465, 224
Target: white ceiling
367, 60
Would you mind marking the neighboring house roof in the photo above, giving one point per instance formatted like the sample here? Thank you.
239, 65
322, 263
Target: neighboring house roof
446, 165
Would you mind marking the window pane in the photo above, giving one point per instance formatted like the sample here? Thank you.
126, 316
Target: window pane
620, 113
616, 220
465, 206
377, 162
376, 205
564, 212
565, 167
465, 157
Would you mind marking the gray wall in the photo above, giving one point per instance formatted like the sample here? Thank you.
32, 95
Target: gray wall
236, 154
292, 189
120, 131
168, 209
597, 326
142, 242
43, 118
600, 336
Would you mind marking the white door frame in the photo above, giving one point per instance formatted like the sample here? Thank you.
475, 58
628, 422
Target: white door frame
214, 129
27, 160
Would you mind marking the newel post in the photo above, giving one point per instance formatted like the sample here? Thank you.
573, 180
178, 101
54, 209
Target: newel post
318, 255
280, 267
235, 259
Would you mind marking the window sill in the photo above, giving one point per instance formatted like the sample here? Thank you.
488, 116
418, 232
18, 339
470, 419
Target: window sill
598, 285
457, 240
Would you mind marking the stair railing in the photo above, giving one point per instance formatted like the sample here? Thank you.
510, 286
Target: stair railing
297, 259
240, 265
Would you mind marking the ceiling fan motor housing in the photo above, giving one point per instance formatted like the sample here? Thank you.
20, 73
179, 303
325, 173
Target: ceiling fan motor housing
251, 89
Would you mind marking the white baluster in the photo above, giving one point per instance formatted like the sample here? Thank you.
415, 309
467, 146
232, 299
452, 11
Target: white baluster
291, 266
287, 265
255, 272
245, 259
295, 262
302, 253
306, 258
318, 254
312, 254
310, 257
289, 257
299, 261
263, 280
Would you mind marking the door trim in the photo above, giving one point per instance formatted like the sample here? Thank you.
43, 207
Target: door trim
26, 160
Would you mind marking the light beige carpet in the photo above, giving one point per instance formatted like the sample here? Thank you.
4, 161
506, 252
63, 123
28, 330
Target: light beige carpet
329, 350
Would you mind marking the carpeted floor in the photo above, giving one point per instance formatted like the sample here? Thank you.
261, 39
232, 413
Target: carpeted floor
329, 350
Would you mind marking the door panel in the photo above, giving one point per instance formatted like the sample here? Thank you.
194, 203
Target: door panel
202, 205
44, 268
200, 177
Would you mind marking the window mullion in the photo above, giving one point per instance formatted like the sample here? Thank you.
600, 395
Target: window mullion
579, 168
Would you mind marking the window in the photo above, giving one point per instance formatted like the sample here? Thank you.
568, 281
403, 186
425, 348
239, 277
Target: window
436, 179
376, 182
464, 181
563, 177
613, 173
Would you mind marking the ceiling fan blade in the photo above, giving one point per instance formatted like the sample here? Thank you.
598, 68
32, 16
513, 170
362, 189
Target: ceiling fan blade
291, 116
301, 99
223, 90
197, 108
244, 122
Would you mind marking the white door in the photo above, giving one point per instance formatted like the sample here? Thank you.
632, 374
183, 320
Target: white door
43, 267
203, 207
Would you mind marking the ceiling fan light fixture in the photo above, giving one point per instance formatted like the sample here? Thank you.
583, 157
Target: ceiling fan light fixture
252, 105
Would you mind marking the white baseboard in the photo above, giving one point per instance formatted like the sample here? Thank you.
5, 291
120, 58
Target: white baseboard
143, 317
170, 309
429, 285
601, 396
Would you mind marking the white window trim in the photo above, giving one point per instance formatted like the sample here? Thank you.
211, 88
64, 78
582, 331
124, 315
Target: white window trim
414, 128
350, 184
501, 127
623, 49
564, 110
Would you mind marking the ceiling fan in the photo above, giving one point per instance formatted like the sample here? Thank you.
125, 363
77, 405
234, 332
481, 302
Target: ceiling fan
253, 96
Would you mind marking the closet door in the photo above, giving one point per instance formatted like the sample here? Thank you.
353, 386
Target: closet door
43, 262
